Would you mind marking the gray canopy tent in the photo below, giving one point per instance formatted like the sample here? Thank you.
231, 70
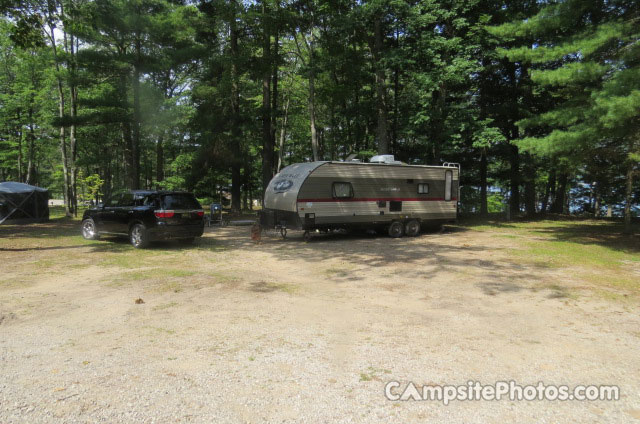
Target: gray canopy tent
23, 203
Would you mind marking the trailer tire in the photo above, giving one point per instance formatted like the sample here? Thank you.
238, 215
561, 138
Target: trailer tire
396, 229
306, 236
412, 228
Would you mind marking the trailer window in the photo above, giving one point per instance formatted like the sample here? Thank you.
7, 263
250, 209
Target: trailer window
448, 184
342, 190
423, 188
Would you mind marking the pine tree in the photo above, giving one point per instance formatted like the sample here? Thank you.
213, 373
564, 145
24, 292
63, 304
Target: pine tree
586, 54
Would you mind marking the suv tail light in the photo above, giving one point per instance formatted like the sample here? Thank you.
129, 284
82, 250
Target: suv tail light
200, 213
164, 214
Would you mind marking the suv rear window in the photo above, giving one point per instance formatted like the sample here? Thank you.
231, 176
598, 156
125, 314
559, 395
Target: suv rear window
180, 201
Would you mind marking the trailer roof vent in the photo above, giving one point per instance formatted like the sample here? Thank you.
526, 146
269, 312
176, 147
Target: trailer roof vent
383, 159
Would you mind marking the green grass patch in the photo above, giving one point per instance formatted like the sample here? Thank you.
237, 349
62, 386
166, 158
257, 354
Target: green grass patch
594, 252
268, 287
373, 374
569, 253
163, 279
160, 330
164, 306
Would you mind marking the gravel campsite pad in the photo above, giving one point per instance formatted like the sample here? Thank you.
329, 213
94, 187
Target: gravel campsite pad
228, 330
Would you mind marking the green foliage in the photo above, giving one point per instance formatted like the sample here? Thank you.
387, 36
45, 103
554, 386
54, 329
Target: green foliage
90, 187
171, 94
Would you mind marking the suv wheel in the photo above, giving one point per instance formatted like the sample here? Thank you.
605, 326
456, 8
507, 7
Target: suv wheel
138, 236
89, 230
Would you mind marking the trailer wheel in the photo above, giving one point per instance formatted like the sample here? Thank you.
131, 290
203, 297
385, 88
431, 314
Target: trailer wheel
307, 236
412, 228
396, 229
283, 233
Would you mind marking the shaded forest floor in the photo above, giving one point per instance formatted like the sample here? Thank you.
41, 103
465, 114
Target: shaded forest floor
289, 331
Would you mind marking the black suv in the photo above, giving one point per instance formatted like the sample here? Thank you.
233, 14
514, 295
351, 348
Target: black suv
146, 216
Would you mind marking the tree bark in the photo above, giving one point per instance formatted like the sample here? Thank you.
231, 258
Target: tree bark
396, 109
514, 201
236, 176
73, 147
381, 95
61, 134
549, 191
274, 92
160, 158
628, 199
559, 200
312, 115
31, 138
311, 101
483, 182
127, 140
247, 184
135, 145
530, 187
20, 172
267, 144
283, 132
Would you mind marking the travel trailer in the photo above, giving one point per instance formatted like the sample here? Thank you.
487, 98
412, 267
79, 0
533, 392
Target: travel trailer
381, 194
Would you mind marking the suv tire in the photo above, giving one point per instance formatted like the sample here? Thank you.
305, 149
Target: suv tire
89, 230
138, 236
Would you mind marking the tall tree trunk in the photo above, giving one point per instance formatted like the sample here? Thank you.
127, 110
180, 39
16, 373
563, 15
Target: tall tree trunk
236, 176
73, 147
127, 140
247, 184
514, 176
597, 202
267, 144
160, 158
628, 199
135, 145
396, 89
483, 182
312, 98
61, 134
559, 200
31, 138
530, 187
20, 159
312, 114
551, 183
283, 132
274, 90
381, 95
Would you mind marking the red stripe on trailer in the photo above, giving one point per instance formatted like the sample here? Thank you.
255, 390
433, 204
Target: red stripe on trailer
378, 199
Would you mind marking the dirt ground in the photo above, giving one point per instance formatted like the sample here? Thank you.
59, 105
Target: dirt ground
288, 331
